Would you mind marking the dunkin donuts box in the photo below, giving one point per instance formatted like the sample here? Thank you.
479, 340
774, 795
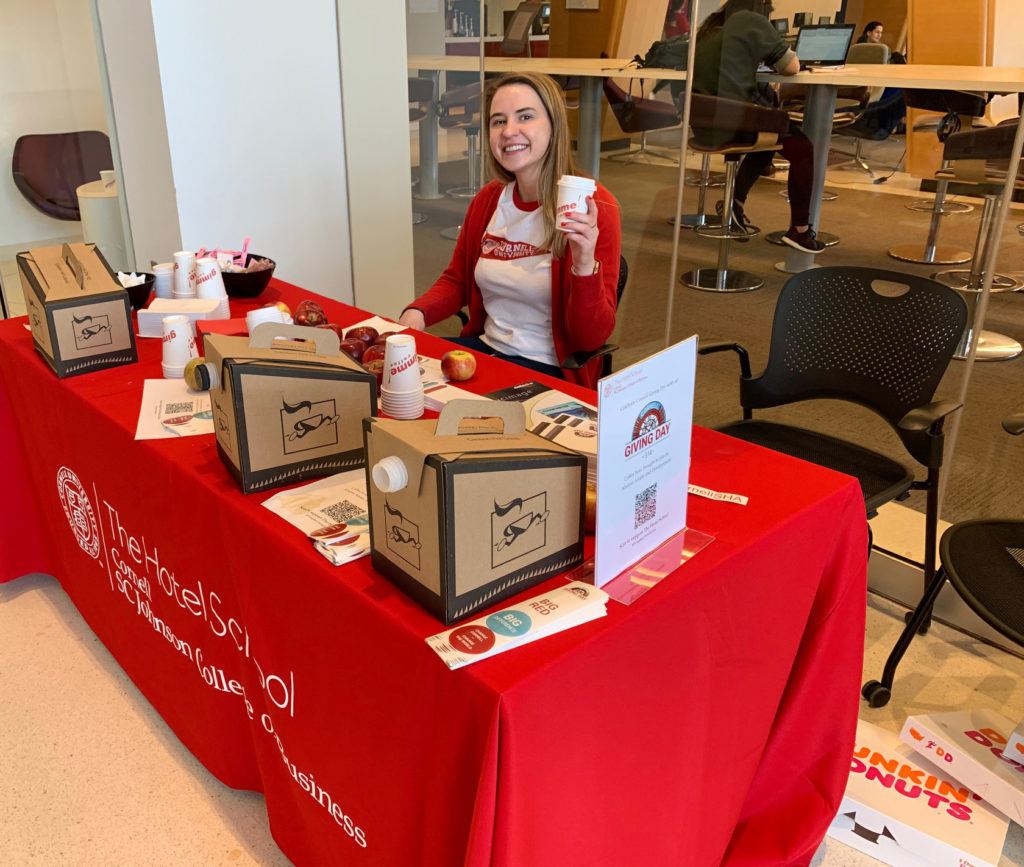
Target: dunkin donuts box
288, 404
471, 508
906, 810
79, 314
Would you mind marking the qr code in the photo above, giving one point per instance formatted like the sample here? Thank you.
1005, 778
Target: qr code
646, 506
178, 408
341, 512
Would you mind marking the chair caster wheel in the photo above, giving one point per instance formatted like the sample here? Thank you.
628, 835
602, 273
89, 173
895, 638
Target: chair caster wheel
876, 694
923, 628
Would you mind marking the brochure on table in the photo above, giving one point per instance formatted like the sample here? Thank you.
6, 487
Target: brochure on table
644, 420
170, 410
903, 810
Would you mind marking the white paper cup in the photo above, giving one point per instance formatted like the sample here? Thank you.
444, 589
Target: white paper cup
264, 314
572, 196
179, 343
209, 282
184, 274
401, 364
164, 283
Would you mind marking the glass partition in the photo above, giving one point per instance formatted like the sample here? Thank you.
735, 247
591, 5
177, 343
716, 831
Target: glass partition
54, 138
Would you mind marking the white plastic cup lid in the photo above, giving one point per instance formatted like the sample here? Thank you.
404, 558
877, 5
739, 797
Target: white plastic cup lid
578, 182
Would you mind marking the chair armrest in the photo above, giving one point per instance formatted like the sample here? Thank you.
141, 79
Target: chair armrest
1014, 424
582, 359
722, 346
929, 417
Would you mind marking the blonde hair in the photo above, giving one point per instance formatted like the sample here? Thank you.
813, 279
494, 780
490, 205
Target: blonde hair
557, 161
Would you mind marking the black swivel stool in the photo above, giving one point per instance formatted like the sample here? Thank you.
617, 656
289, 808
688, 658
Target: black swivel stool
970, 155
460, 109
956, 106
640, 115
421, 98
731, 128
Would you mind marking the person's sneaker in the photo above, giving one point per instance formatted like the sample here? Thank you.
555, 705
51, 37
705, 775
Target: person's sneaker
804, 241
739, 220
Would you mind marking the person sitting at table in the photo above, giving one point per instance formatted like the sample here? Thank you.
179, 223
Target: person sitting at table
539, 285
872, 32
731, 44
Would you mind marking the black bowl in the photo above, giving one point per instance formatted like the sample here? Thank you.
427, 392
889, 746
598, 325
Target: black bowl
245, 284
139, 295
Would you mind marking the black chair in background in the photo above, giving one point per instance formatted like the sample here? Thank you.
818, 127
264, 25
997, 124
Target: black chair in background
3, 302
880, 339
48, 168
984, 561
518, 29
640, 115
956, 107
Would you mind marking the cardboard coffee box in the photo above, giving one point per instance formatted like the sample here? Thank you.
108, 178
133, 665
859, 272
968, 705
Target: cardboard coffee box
472, 508
289, 404
79, 314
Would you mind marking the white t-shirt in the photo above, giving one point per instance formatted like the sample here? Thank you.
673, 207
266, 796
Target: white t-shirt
514, 276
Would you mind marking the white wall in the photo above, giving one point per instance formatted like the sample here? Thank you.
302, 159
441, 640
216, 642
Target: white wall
251, 96
49, 82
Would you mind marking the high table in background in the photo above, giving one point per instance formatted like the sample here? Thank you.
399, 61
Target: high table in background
710, 722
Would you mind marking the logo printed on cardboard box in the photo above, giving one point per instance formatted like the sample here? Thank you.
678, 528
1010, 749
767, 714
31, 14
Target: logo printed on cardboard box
308, 425
79, 512
402, 535
518, 527
91, 331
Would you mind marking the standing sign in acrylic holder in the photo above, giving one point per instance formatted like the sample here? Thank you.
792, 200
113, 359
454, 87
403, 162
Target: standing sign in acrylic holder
644, 423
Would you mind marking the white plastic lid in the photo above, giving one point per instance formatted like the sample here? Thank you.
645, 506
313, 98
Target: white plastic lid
577, 182
390, 475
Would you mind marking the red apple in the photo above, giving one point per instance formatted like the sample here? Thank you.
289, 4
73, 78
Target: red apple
309, 313
376, 367
373, 352
337, 329
363, 332
458, 365
383, 338
355, 348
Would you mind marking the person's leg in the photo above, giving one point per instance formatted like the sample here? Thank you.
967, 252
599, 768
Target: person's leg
474, 343
530, 364
797, 148
749, 171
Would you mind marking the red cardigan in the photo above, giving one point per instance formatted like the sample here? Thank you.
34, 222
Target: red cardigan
582, 308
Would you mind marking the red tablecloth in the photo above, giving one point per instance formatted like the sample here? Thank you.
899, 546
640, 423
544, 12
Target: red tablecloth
710, 722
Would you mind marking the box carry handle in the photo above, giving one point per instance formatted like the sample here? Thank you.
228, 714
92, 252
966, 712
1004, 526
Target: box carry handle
277, 335
513, 415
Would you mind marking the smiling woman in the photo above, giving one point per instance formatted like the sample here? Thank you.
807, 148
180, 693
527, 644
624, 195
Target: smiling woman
539, 285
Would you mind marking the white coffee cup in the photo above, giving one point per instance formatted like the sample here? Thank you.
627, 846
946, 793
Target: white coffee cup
107, 176
401, 365
572, 196
209, 282
164, 283
184, 274
179, 345
264, 314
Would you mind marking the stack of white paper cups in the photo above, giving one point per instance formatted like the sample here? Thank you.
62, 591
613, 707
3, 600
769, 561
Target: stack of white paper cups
179, 345
210, 284
184, 274
164, 283
401, 392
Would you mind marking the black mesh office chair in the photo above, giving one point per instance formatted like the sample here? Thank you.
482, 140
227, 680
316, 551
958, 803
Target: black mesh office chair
877, 338
984, 561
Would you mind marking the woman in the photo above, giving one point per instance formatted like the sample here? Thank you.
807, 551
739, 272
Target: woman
872, 32
539, 286
731, 44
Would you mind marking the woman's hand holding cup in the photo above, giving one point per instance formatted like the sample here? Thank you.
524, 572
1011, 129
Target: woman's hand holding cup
581, 232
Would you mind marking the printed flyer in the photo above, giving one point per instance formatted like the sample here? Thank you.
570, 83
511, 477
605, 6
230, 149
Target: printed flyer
644, 420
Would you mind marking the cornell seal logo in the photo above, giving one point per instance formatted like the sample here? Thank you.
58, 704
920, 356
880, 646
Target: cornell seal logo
79, 512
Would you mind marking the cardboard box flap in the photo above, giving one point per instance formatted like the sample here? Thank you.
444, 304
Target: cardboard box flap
414, 441
295, 338
71, 271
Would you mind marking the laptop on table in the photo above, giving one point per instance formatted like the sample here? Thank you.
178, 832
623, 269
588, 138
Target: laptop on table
824, 46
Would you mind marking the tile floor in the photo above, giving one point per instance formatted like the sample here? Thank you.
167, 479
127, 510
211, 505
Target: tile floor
93, 776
